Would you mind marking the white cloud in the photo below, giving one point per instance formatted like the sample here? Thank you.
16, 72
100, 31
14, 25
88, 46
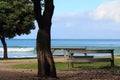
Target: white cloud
70, 16
80, 25
109, 10
70, 24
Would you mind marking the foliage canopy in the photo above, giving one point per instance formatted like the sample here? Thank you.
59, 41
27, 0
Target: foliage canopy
16, 17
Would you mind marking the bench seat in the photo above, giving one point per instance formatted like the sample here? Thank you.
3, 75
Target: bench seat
101, 60
89, 59
81, 59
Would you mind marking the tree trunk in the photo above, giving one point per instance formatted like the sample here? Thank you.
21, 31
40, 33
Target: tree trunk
46, 65
4, 47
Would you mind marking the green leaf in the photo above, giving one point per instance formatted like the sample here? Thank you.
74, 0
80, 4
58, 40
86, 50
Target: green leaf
16, 18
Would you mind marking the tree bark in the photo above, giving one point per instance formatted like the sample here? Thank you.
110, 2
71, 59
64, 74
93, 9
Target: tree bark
4, 47
46, 65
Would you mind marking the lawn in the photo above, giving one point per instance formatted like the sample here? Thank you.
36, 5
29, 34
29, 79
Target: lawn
64, 66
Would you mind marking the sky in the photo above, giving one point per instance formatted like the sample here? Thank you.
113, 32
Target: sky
83, 19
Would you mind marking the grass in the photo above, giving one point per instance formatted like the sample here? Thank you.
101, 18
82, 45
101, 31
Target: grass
25, 66
59, 66
64, 66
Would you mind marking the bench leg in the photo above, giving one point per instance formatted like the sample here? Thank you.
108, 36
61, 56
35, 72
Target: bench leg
72, 64
112, 63
112, 60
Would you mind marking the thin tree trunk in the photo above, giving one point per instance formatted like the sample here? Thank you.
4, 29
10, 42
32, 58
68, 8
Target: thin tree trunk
4, 47
46, 65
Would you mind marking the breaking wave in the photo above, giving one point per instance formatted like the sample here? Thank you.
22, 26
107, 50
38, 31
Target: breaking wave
18, 49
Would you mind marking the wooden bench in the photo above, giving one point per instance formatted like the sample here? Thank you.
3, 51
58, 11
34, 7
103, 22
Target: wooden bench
72, 59
86, 58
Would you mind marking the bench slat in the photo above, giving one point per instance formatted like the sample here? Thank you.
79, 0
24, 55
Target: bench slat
83, 57
82, 60
101, 60
88, 59
90, 51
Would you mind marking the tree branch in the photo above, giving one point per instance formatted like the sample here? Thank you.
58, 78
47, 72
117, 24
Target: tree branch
37, 11
49, 9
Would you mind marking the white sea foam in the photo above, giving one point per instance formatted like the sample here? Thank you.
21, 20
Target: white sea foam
19, 49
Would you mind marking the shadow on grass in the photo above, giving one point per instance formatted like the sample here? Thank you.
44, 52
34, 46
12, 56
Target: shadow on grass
62, 75
9, 74
111, 69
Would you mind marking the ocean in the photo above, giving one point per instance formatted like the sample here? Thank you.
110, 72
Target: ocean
26, 47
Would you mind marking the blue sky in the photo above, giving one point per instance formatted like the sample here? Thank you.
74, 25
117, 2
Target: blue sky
84, 19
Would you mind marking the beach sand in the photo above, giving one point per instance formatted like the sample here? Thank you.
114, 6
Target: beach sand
8, 73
